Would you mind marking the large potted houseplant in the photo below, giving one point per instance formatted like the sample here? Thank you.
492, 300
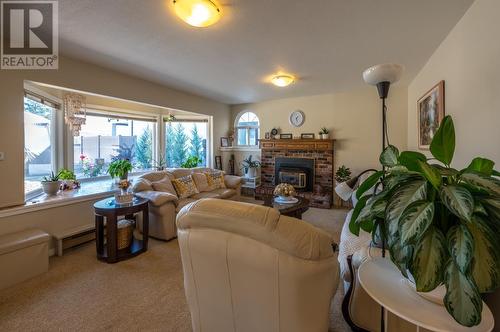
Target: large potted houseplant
250, 167
51, 184
441, 225
120, 169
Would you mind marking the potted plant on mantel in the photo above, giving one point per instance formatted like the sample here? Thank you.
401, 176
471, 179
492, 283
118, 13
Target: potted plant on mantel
250, 167
120, 169
51, 184
441, 225
324, 133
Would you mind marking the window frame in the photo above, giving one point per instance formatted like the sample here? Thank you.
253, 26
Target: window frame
55, 141
247, 129
204, 119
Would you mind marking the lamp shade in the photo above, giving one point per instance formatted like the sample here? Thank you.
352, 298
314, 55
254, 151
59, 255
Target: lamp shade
389, 72
344, 191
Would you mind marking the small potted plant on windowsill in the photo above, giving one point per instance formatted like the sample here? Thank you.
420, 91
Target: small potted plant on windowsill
250, 167
120, 169
68, 179
324, 133
51, 184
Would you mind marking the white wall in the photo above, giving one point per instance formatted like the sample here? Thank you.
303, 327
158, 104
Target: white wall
354, 120
469, 62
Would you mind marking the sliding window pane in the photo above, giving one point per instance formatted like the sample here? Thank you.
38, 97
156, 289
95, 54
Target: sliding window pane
38, 123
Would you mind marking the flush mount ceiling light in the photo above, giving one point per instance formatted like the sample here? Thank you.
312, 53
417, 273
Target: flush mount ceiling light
282, 80
198, 13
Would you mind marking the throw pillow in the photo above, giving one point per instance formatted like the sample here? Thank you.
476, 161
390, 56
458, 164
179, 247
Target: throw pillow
215, 180
201, 182
185, 187
164, 185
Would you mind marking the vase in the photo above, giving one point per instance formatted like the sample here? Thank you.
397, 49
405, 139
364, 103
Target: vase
251, 173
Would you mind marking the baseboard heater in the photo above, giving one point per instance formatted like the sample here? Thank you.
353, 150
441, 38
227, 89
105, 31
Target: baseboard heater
73, 237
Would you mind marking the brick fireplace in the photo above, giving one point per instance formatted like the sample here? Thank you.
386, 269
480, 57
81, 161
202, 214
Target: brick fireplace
293, 157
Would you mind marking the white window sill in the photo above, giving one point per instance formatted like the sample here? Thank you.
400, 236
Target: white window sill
89, 190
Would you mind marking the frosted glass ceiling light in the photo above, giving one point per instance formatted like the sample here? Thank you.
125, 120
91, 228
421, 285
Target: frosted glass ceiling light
198, 13
282, 80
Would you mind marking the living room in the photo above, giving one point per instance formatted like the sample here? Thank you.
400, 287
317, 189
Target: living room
160, 147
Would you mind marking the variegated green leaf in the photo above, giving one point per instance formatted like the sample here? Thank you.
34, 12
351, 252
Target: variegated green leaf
443, 143
486, 255
430, 253
353, 225
402, 256
479, 208
389, 157
445, 171
461, 246
409, 160
482, 165
462, 299
366, 213
415, 220
430, 173
458, 200
488, 183
378, 207
402, 197
368, 183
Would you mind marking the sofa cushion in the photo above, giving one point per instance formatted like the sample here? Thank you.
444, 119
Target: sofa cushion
164, 185
157, 198
215, 180
180, 172
141, 185
185, 186
201, 182
232, 181
183, 202
224, 192
206, 194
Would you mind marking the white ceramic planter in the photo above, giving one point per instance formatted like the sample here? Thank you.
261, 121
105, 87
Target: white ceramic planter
325, 136
50, 188
252, 172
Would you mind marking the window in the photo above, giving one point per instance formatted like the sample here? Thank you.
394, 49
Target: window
39, 147
106, 138
185, 139
247, 129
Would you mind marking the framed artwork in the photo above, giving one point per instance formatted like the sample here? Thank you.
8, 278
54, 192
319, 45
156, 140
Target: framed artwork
307, 136
430, 113
286, 136
218, 162
224, 142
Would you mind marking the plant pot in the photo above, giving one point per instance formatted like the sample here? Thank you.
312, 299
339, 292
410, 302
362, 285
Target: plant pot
325, 136
436, 296
50, 188
124, 176
252, 172
69, 183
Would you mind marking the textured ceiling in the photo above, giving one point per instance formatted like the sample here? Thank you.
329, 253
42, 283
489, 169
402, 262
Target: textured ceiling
326, 43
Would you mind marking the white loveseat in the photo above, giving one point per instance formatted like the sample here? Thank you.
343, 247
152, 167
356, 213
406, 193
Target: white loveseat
164, 203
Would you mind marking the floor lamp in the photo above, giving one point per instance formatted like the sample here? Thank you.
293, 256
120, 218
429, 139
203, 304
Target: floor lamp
382, 76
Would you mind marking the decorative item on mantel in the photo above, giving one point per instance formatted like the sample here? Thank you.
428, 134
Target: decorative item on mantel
324, 133
74, 111
274, 133
285, 194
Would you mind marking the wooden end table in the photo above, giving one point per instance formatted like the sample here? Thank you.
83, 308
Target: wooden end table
107, 208
294, 210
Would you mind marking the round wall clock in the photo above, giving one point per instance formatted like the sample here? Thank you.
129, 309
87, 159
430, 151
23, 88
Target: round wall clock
297, 118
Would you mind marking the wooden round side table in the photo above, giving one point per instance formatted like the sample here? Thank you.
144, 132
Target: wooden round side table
107, 208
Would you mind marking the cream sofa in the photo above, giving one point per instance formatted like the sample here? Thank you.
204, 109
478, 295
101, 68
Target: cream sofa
164, 204
246, 268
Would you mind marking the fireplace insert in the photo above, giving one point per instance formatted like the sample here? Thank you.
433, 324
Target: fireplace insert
299, 172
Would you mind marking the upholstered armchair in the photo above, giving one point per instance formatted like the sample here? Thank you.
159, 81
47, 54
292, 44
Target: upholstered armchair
246, 268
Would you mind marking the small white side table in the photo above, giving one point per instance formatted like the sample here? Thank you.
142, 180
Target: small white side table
384, 283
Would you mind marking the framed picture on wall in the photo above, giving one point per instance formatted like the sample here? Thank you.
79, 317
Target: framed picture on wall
224, 142
307, 136
218, 162
430, 113
286, 136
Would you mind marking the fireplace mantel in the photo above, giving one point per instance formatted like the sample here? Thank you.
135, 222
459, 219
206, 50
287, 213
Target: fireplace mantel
297, 144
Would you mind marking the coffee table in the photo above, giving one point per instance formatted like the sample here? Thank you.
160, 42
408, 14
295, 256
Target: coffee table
294, 210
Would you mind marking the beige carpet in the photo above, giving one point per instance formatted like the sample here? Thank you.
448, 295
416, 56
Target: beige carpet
145, 293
